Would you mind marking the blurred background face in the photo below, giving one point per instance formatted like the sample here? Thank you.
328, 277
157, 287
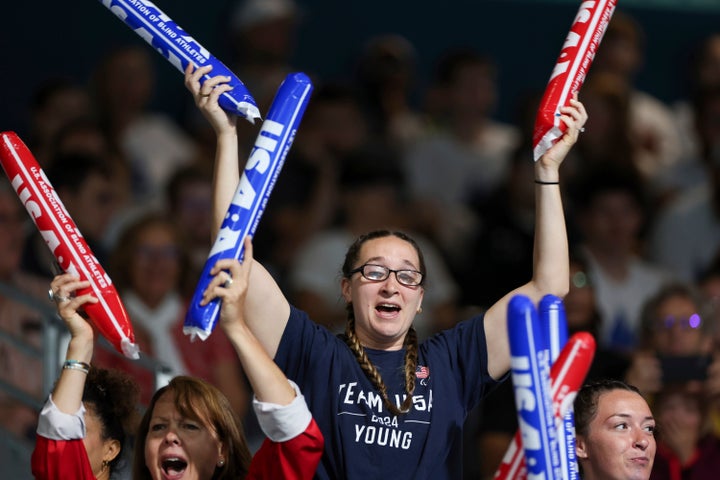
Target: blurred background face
622, 54
472, 93
342, 125
607, 117
622, 47
83, 139
193, 211
389, 62
64, 106
127, 81
612, 223
371, 206
93, 205
155, 266
678, 328
271, 40
12, 218
680, 409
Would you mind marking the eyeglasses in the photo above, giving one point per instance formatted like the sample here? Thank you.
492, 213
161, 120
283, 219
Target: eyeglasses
379, 273
694, 322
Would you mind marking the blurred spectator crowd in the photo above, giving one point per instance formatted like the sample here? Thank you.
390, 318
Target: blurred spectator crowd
641, 189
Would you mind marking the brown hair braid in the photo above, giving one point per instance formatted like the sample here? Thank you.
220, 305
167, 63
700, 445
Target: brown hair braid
374, 376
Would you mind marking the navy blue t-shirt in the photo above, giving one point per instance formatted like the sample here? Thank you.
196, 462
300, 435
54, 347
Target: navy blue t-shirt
362, 439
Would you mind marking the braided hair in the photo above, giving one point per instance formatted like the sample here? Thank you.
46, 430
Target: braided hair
411, 342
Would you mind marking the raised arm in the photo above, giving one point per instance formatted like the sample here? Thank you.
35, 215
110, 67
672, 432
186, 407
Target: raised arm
266, 308
68, 391
226, 174
295, 443
67, 430
550, 256
267, 380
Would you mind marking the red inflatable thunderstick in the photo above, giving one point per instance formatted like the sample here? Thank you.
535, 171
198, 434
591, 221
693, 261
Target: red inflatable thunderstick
566, 377
570, 70
66, 242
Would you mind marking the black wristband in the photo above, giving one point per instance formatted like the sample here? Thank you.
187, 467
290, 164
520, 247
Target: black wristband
541, 182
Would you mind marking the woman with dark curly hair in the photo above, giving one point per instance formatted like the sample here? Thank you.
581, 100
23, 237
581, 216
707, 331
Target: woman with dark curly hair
83, 426
189, 430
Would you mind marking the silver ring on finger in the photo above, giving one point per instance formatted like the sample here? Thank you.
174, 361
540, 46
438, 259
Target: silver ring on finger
56, 297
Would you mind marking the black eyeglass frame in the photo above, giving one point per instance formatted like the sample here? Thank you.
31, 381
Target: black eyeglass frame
388, 271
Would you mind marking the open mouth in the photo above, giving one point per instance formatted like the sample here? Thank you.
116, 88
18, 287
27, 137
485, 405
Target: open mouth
387, 308
173, 467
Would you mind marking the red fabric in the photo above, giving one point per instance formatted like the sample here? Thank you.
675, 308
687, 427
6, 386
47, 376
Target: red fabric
296, 459
60, 460
704, 464
201, 356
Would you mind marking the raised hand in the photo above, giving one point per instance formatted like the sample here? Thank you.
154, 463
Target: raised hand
206, 98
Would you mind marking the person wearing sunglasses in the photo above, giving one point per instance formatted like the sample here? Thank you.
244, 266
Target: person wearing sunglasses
677, 369
676, 341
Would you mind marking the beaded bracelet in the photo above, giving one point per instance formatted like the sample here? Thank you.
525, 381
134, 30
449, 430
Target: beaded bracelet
541, 182
77, 365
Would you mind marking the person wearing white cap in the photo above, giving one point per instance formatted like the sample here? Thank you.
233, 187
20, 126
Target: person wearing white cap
262, 36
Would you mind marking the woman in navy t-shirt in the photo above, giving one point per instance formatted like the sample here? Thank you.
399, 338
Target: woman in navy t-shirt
386, 405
